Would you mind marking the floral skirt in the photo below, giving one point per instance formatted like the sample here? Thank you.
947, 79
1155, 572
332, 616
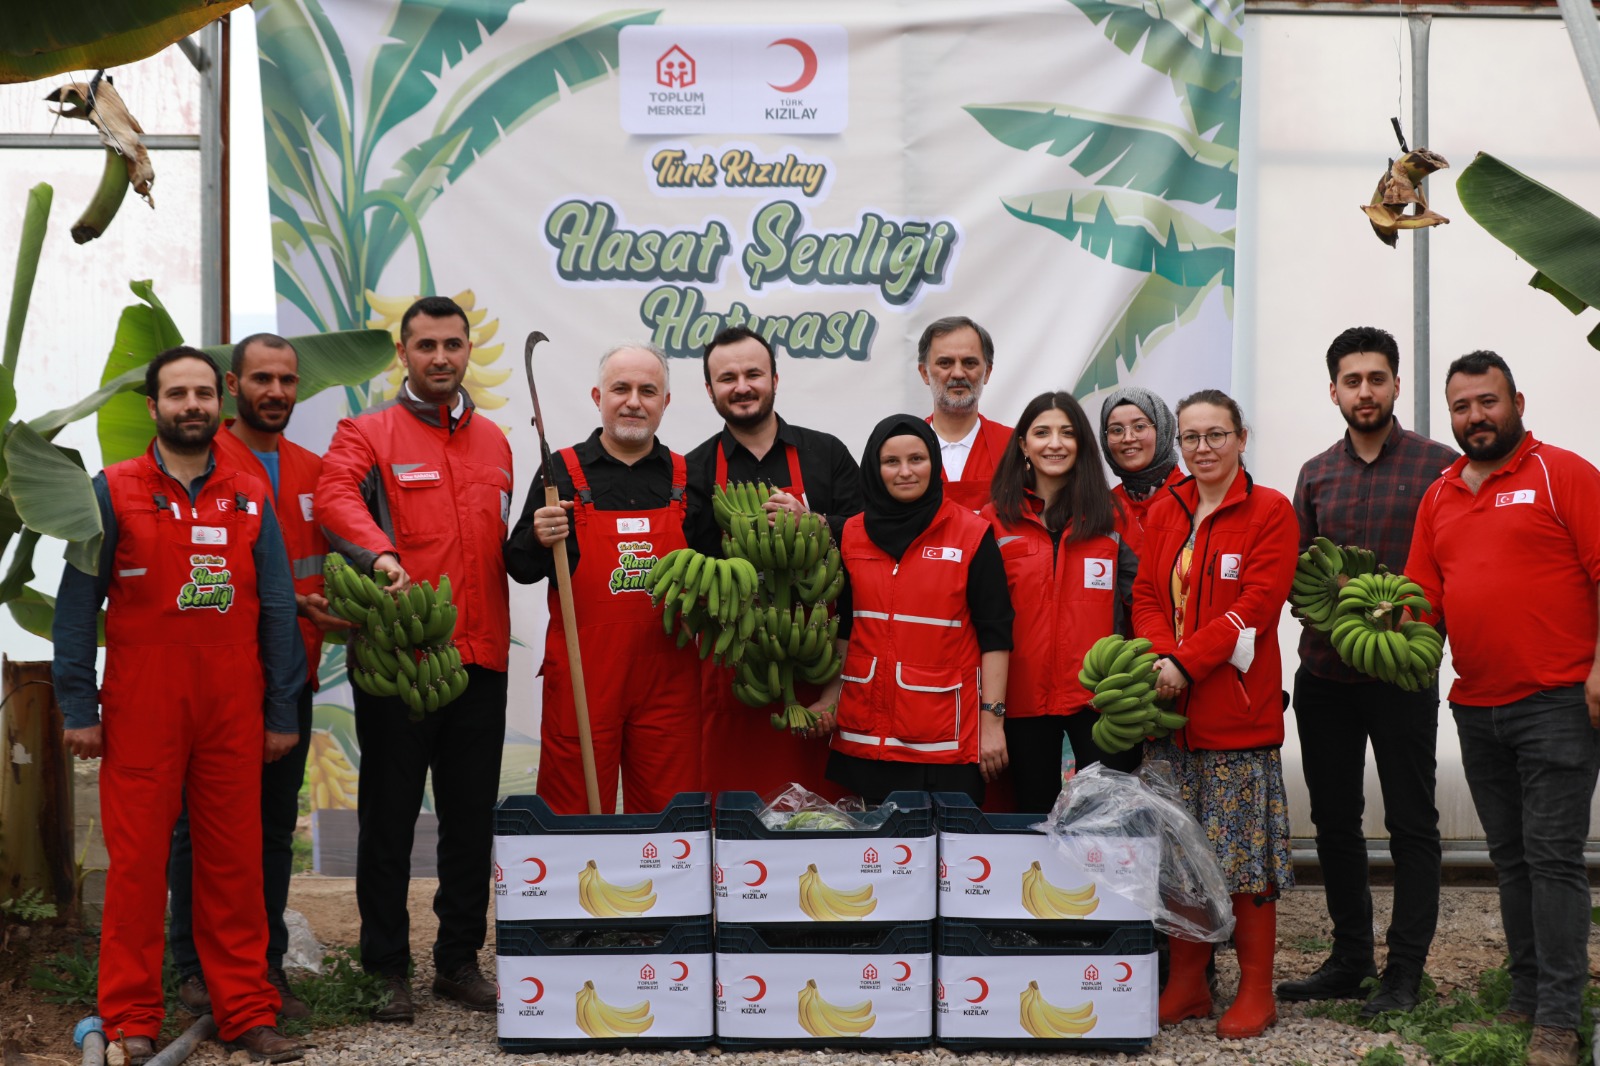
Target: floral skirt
1239, 800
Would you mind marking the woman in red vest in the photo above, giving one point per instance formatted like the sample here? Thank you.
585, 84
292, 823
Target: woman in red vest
1219, 556
1140, 436
1055, 522
926, 631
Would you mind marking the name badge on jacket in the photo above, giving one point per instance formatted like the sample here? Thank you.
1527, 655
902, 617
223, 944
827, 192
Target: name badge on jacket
1098, 574
1230, 567
633, 525
208, 535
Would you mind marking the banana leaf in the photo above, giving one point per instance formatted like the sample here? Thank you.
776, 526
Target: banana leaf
35, 613
1133, 230
124, 426
1156, 309
42, 40
20, 572
1551, 233
52, 494
35, 220
327, 360
47, 424
1125, 151
1180, 38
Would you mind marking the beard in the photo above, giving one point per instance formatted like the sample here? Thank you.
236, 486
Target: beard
1503, 443
1367, 422
957, 402
187, 437
251, 415
762, 412
630, 431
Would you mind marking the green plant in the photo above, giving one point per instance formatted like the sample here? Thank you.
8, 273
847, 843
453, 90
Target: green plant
1312, 945
1383, 1055
31, 906
71, 979
90, 34
342, 994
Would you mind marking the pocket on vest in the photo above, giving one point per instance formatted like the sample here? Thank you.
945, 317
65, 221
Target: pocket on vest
927, 704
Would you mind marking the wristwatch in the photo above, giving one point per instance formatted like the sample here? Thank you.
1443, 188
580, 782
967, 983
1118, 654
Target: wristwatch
996, 709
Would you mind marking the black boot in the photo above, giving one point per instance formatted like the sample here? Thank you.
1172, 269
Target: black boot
1334, 979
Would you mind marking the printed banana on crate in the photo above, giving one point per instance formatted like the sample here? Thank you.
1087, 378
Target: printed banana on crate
810, 880
545, 877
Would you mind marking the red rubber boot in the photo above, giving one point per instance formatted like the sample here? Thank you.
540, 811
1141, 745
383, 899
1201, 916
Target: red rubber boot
1188, 994
1255, 935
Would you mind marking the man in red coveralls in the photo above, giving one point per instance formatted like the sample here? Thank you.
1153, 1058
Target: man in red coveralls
417, 488
955, 357
626, 494
195, 570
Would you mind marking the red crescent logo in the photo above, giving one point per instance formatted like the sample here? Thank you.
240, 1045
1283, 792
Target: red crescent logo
902, 847
987, 869
983, 986
808, 59
539, 863
1099, 567
906, 975
1125, 974
538, 987
684, 854
761, 987
685, 968
762, 879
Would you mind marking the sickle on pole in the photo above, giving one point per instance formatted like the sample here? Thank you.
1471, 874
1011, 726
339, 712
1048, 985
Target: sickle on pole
569, 616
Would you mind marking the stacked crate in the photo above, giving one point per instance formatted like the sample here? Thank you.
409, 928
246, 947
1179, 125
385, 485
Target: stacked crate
1034, 947
603, 926
824, 938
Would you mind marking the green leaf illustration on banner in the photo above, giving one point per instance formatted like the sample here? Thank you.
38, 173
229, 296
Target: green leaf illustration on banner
1138, 170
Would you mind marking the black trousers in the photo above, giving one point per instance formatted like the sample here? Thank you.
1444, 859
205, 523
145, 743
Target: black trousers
280, 810
1033, 747
461, 745
1335, 721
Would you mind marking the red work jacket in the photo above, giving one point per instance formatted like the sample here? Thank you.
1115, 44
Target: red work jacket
972, 491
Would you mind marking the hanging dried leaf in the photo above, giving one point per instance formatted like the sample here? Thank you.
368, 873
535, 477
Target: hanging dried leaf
99, 103
1400, 187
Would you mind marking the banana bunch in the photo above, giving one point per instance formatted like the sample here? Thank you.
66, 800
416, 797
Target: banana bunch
1046, 1021
403, 647
333, 780
602, 1021
773, 543
824, 1019
823, 903
1121, 675
1372, 634
1323, 569
603, 899
1045, 900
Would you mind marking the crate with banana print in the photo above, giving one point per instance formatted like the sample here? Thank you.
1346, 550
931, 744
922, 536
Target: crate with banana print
604, 985
1059, 986
834, 986
827, 876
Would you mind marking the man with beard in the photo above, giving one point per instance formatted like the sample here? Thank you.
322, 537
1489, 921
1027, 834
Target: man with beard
203, 665
624, 503
1507, 549
414, 489
263, 381
955, 357
1364, 490
810, 471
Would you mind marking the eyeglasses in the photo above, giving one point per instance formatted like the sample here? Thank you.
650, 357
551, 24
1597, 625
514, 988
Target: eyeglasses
1135, 429
1215, 439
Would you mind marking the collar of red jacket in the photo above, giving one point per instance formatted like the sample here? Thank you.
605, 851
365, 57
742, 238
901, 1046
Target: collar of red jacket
1187, 491
1524, 446
437, 414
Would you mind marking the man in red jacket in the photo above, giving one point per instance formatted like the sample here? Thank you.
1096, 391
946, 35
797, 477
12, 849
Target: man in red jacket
955, 357
417, 488
1507, 548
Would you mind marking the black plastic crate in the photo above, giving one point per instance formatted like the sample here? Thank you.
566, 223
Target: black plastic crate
855, 965
739, 818
688, 812
1113, 967
668, 965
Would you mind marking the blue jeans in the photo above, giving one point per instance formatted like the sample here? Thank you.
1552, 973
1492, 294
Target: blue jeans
1531, 766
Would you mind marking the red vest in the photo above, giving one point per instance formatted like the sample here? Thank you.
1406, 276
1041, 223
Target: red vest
972, 491
911, 691
298, 470
1071, 595
183, 579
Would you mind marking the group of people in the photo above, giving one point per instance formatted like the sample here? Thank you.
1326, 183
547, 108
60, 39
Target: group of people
982, 561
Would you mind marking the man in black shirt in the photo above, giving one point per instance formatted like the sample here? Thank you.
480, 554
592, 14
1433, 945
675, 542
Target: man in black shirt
624, 503
811, 471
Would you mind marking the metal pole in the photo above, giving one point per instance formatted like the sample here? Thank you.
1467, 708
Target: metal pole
1585, 34
1421, 318
211, 148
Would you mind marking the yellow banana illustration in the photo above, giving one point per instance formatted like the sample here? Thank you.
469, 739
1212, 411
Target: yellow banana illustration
1046, 1021
822, 903
1044, 900
386, 314
333, 780
601, 1020
603, 899
821, 1018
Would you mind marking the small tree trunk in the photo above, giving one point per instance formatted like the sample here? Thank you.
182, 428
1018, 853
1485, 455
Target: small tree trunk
35, 788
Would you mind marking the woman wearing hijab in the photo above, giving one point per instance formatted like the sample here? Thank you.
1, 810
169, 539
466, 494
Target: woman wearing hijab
1218, 559
926, 631
1054, 519
1139, 433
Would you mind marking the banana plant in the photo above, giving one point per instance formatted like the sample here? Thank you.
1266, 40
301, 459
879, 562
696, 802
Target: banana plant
338, 221
43, 40
1548, 231
1136, 171
45, 489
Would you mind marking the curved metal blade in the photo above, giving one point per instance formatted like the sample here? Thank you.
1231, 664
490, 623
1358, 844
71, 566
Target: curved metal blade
534, 340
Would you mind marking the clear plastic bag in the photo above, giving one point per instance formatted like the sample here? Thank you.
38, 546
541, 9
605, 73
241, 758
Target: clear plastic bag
799, 808
1183, 891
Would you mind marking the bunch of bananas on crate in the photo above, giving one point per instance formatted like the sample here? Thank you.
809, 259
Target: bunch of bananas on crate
823, 1019
603, 899
402, 645
1372, 634
821, 902
1121, 675
1323, 570
1045, 1021
602, 1021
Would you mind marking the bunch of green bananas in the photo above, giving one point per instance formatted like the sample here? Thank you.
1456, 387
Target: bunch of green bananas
702, 595
1324, 569
1121, 676
403, 646
1372, 634
778, 544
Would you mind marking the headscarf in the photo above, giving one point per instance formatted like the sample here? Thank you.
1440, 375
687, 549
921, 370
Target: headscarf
891, 524
1140, 483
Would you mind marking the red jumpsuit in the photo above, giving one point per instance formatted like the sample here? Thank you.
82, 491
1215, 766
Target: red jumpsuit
972, 491
643, 690
182, 710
